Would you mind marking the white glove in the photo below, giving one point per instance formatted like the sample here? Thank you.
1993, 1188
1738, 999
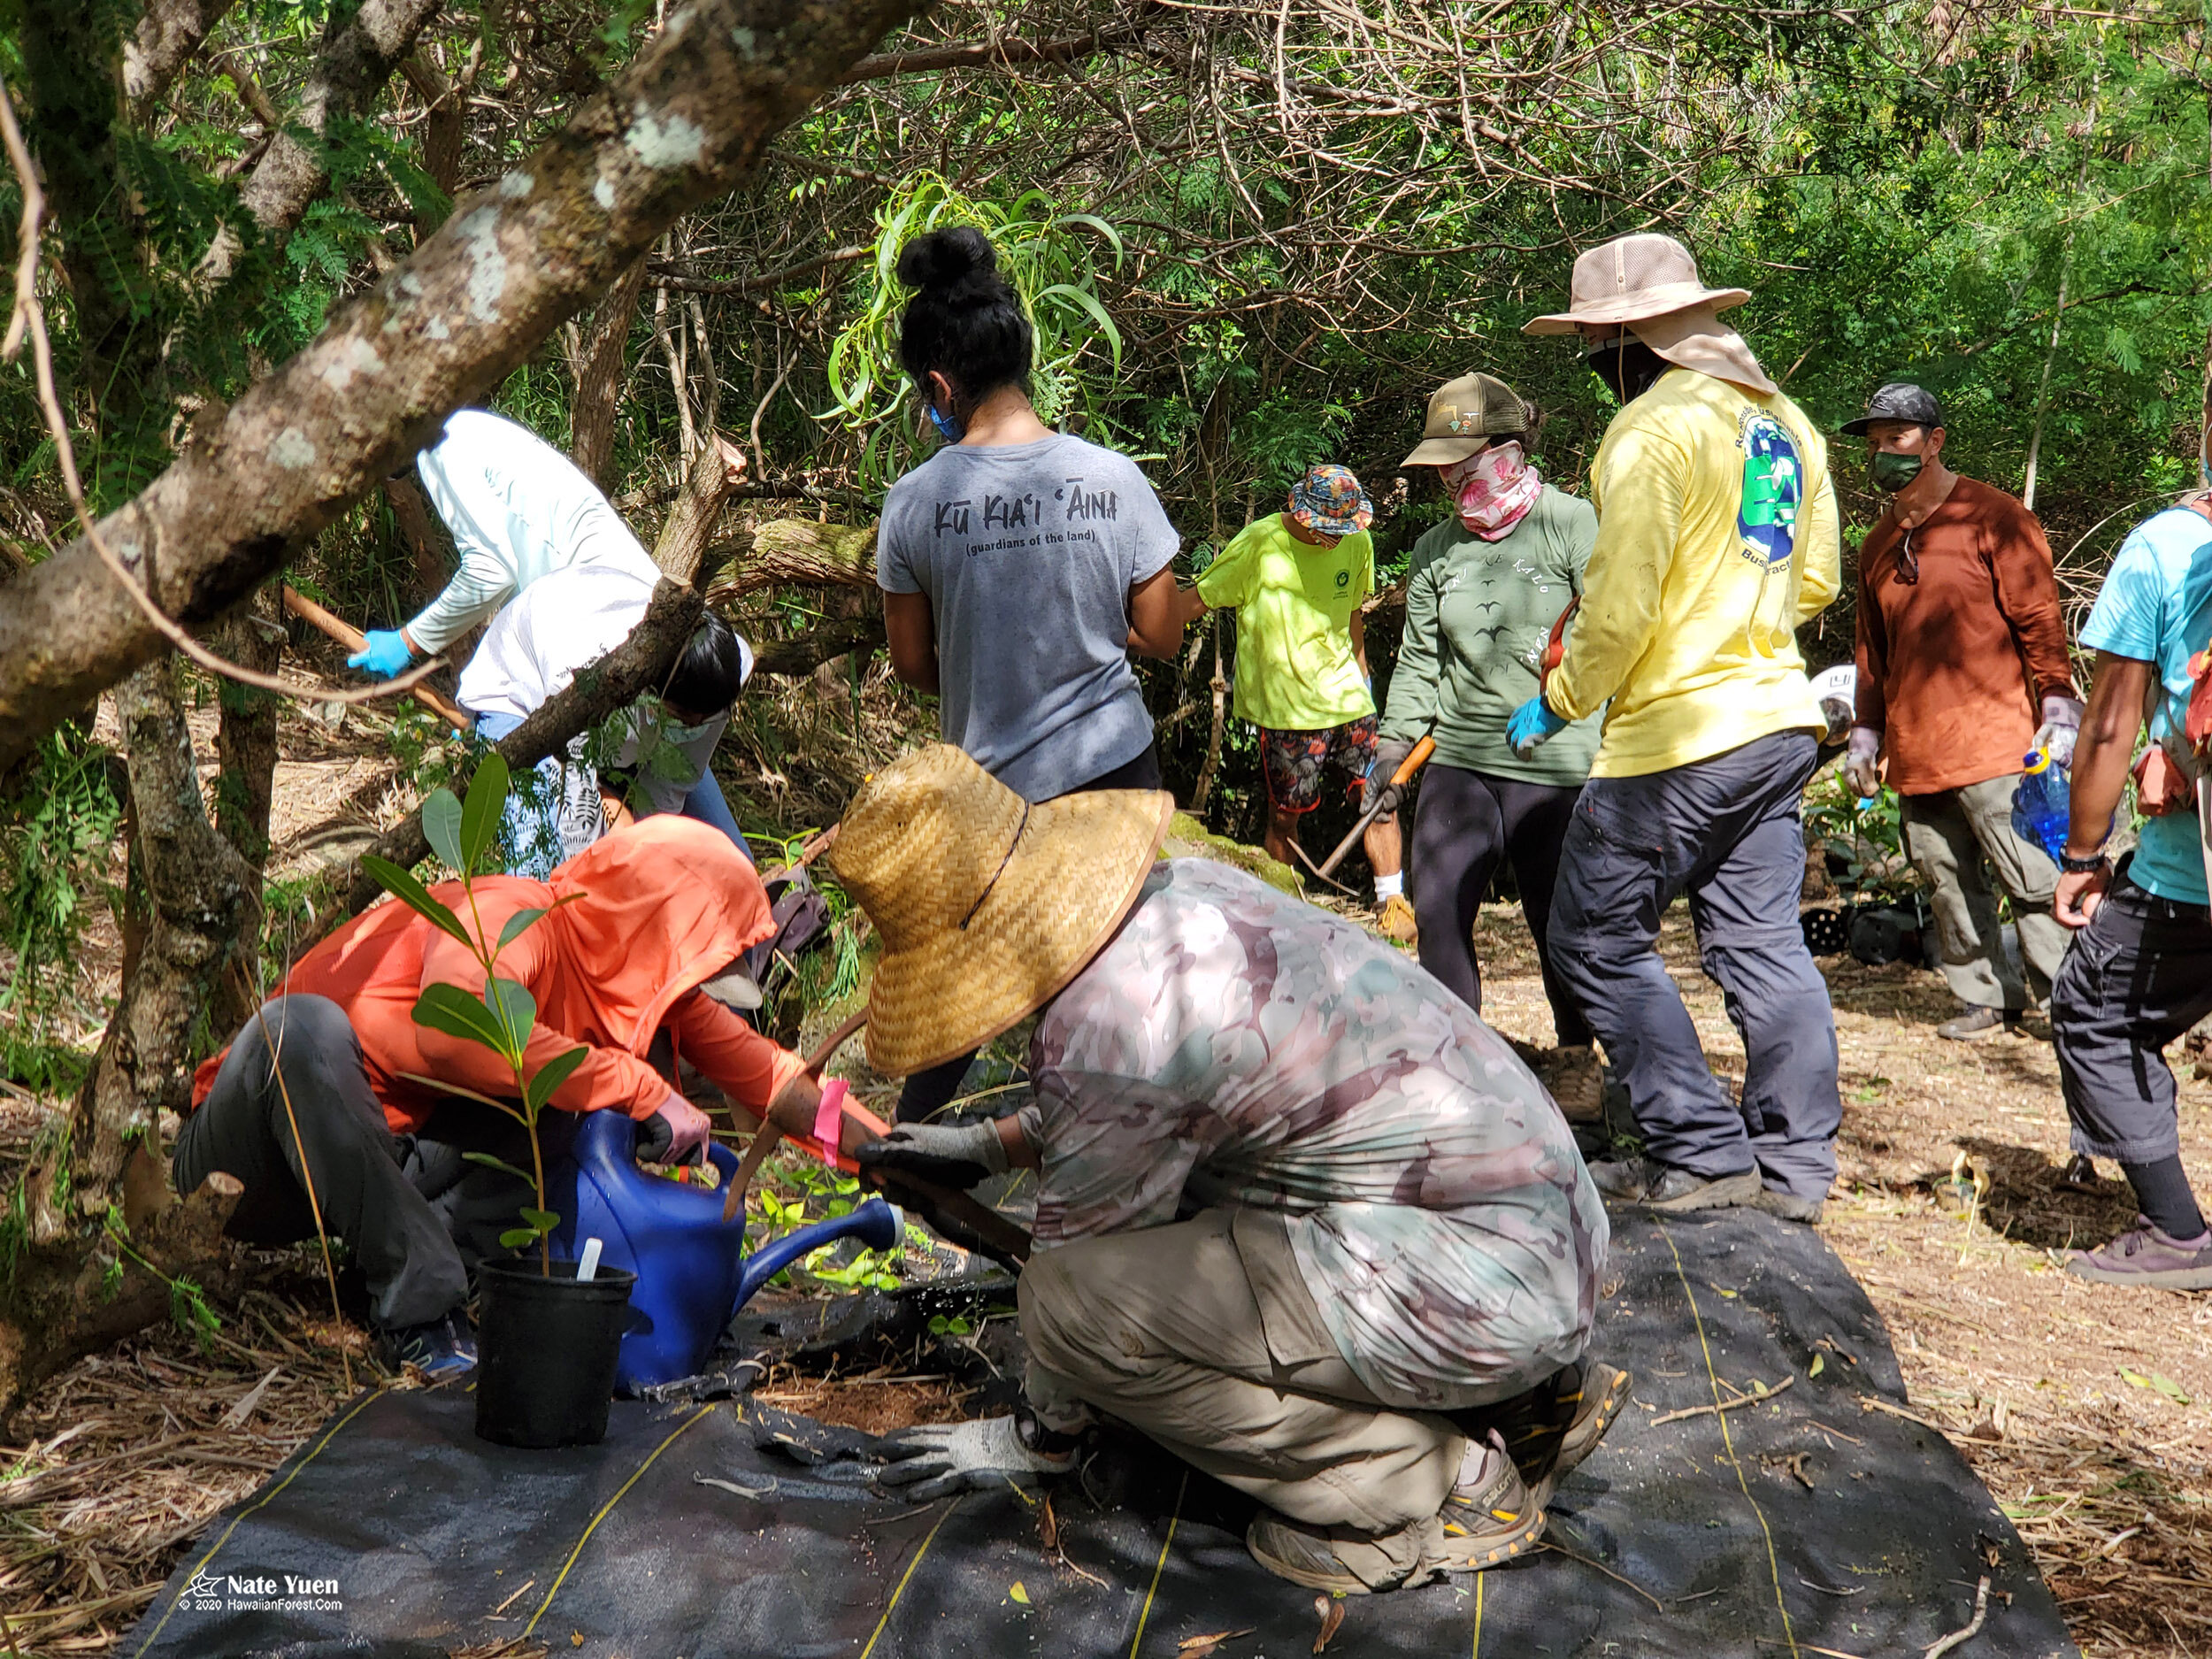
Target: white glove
1858, 761
2061, 724
941, 1458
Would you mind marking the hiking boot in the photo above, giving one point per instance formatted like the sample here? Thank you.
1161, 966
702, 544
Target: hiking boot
1977, 1025
2147, 1256
1489, 1515
443, 1349
1656, 1186
1395, 921
1604, 1392
1305, 1554
1788, 1206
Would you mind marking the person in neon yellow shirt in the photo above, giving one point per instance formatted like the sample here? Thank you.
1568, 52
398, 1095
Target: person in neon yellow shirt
1716, 539
1296, 581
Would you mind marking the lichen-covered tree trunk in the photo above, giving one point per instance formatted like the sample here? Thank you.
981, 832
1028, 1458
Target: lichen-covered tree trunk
687, 121
62, 1297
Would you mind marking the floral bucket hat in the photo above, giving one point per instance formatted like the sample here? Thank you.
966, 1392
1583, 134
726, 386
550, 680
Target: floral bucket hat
1330, 501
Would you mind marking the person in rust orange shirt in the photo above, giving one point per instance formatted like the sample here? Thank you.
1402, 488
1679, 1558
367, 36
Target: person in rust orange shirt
1962, 671
333, 1081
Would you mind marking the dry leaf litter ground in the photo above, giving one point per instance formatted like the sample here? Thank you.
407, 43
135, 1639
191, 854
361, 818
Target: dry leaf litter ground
2084, 1409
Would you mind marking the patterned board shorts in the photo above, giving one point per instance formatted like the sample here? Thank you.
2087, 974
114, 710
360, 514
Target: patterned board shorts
1293, 761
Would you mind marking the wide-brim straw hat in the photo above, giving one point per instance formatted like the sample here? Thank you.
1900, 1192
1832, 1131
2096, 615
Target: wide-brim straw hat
987, 905
1632, 277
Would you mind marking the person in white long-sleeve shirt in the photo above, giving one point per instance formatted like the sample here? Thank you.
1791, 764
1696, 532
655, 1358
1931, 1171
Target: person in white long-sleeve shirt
544, 554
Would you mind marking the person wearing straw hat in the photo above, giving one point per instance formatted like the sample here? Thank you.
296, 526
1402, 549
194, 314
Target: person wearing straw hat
1296, 580
1717, 538
1484, 589
1375, 1321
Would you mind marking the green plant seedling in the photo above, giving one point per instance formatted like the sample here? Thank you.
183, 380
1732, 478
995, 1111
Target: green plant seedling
503, 1016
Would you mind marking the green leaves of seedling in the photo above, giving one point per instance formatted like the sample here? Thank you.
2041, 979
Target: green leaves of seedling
480, 819
500, 1165
536, 1225
449, 1009
441, 828
550, 1077
402, 884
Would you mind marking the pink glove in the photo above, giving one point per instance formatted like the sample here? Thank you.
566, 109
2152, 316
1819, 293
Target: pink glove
677, 1133
1859, 761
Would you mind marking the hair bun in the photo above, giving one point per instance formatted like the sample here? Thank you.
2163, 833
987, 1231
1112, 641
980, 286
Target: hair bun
960, 254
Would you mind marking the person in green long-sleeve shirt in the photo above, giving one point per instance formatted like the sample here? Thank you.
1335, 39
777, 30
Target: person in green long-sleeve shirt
1483, 589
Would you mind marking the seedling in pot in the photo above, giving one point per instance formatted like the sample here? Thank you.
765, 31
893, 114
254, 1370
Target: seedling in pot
503, 1016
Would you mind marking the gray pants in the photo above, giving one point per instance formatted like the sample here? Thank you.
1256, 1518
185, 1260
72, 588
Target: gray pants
399, 1203
2140, 975
1726, 831
1955, 838
1202, 1335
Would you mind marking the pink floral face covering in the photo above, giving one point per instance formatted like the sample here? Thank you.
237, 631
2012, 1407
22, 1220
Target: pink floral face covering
1494, 488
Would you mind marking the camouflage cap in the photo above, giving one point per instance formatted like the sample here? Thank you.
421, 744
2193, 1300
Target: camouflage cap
1464, 415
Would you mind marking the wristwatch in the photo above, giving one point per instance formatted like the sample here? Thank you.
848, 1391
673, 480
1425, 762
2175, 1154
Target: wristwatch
2074, 866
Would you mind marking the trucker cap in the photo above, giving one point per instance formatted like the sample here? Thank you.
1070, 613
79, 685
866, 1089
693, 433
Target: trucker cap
1463, 416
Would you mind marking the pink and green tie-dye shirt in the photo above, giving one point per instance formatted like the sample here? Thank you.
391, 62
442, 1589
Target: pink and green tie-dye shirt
1235, 1047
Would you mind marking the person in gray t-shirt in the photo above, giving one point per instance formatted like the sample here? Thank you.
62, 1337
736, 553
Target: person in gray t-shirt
1019, 567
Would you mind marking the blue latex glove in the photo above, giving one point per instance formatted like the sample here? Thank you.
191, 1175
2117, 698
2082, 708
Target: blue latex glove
1533, 723
385, 656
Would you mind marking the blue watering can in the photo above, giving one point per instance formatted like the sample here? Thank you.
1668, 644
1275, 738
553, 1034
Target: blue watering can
692, 1272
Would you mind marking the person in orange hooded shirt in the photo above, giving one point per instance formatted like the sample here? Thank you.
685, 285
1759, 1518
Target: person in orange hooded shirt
637, 931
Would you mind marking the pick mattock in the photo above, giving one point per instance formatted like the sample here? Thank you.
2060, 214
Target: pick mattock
1399, 779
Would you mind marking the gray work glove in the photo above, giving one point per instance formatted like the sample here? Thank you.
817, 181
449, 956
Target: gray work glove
956, 1155
2061, 724
1858, 761
1390, 754
941, 1459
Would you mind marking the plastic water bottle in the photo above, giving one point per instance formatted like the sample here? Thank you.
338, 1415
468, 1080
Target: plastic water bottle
2041, 805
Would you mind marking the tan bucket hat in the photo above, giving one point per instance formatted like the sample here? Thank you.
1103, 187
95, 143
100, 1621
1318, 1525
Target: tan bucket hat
1463, 416
987, 905
1632, 277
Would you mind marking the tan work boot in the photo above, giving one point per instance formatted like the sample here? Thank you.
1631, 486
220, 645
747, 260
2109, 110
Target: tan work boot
1395, 920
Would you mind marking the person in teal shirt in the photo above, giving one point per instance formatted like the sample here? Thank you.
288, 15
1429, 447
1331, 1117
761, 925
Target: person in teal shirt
1296, 581
1483, 589
2140, 973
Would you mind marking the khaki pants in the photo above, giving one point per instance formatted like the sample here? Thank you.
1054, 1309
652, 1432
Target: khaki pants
1202, 1336
1948, 836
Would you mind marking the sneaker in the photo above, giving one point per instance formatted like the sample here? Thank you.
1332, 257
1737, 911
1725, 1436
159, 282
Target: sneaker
1489, 1515
1788, 1206
1556, 1425
1656, 1186
1395, 921
441, 1350
1305, 1554
1977, 1025
2147, 1256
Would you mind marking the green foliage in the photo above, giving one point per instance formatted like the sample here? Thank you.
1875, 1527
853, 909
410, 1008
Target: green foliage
1868, 838
504, 1014
1049, 258
57, 836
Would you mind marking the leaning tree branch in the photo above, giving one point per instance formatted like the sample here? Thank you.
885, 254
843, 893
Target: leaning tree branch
687, 120
357, 58
990, 54
169, 31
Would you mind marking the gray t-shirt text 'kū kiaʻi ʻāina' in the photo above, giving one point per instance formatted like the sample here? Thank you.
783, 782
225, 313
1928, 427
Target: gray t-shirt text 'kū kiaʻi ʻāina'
1027, 553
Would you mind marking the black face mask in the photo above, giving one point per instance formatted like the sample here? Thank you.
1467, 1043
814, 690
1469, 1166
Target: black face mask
1626, 365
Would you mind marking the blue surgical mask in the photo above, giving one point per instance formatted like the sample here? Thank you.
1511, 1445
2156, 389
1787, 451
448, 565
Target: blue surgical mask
949, 429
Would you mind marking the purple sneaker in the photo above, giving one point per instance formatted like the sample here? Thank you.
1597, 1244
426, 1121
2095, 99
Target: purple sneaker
2147, 1256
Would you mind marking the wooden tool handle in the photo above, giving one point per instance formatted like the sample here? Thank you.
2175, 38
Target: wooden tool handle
1413, 762
767, 1138
337, 628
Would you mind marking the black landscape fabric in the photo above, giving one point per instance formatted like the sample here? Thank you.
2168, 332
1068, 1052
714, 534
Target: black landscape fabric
698, 1531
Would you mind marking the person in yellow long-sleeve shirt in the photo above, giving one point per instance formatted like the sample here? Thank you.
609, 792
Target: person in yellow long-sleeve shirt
1717, 538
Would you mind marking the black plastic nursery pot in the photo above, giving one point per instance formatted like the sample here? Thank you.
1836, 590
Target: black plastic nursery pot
546, 1346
